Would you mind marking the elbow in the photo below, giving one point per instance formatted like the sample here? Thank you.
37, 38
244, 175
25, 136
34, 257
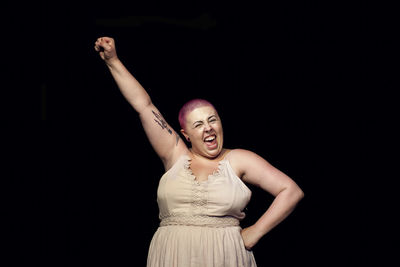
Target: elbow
296, 193
300, 194
143, 105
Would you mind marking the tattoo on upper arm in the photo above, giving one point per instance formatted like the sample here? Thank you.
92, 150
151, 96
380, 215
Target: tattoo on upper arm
160, 120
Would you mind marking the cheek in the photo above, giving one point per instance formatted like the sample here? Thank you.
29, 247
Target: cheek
195, 135
218, 128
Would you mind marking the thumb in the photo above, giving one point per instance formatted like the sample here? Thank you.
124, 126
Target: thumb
107, 47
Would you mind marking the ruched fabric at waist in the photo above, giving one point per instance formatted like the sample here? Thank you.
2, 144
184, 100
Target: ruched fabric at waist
200, 220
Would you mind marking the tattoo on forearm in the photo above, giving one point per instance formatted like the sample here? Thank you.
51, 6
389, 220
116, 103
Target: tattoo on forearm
160, 120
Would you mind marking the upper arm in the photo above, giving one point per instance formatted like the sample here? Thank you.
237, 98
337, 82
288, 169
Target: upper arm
166, 141
256, 170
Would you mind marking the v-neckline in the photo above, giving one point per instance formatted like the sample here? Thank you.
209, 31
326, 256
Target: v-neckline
216, 172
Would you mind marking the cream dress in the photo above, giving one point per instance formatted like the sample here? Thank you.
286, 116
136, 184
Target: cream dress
200, 220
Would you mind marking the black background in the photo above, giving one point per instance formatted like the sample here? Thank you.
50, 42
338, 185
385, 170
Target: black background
308, 86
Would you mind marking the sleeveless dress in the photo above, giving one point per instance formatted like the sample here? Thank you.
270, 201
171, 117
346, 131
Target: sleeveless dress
200, 220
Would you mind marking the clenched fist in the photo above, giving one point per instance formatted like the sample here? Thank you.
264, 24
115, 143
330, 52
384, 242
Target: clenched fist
106, 48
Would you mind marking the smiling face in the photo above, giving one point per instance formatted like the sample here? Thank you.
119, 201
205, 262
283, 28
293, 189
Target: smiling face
203, 129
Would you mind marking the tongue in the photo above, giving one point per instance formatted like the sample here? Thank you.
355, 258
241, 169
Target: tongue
212, 144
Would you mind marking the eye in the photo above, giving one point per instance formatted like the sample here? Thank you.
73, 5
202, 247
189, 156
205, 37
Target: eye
197, 125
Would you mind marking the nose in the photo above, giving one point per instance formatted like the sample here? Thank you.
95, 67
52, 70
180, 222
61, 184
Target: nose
207, 127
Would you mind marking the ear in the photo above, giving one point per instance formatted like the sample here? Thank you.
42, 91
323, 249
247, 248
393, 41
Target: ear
185, 135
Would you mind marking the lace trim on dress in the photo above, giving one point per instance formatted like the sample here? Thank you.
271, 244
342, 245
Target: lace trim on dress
199, 188
189, 171
200, 220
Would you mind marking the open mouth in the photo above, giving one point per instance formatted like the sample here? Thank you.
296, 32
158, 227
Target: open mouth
211, 141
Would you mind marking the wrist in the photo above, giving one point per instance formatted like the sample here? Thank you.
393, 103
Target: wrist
112, 62
260, 229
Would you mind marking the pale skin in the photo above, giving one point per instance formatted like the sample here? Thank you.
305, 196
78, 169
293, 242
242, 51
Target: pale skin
203, 130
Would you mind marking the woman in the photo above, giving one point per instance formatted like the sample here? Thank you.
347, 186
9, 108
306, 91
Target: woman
202, 193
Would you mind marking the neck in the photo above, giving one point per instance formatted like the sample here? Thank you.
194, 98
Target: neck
196, 155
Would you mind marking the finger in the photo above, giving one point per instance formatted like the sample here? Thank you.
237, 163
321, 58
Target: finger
103, 42
106, 46
109, 41
103, 46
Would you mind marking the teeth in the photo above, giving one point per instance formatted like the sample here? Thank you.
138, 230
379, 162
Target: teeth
211, 138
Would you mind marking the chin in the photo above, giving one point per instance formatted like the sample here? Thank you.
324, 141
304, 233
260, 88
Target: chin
214, 153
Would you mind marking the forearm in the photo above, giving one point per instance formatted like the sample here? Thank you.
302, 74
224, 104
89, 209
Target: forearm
130, 88
283, 204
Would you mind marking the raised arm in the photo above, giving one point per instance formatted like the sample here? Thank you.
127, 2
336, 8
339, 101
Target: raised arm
165, 141
255, 170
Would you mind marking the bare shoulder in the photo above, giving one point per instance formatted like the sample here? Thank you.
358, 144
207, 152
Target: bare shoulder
242, 159
239, 155
254, 169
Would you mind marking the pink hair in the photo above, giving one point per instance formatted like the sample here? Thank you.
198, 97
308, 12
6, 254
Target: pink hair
190, 106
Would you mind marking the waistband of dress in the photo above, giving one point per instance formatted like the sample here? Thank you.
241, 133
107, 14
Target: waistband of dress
200, 220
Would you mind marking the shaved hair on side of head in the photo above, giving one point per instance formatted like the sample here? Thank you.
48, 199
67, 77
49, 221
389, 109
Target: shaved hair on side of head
190, 106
